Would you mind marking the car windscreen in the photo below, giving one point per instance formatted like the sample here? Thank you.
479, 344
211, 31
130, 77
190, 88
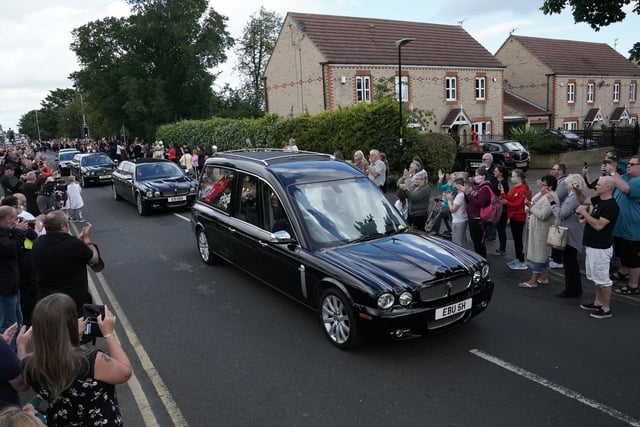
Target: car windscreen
159, 170
344, 211
514, 146
65, 157
96, 160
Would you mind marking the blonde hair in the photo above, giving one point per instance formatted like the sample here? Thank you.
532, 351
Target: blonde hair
15, 416
72, 178
576, 181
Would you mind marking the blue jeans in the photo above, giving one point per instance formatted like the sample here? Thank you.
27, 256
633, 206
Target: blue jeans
10, 313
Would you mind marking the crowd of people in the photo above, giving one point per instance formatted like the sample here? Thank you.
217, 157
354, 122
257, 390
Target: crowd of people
43, 288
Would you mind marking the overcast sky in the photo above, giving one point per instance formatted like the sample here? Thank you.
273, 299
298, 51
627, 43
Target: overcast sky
35, 34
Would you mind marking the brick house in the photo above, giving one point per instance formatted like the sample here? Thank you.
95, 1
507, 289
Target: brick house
323, 62
582, 84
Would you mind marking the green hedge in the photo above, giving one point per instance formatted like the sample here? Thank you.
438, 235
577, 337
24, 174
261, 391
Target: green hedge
361, 127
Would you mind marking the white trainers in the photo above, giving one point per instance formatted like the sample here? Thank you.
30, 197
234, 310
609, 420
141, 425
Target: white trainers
553, 264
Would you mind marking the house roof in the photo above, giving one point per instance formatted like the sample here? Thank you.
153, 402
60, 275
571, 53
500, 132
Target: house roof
456, 116
523, 105
594, 115
350, 40
576, 57
619, 113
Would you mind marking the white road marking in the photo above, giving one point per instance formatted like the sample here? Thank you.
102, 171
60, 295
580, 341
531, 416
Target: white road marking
558, 388
182, 217
136, 389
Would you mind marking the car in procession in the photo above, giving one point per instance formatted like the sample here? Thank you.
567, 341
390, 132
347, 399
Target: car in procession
321, 232
153, 183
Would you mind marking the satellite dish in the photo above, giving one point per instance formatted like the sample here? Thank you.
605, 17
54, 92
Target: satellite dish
506, 83
301, 25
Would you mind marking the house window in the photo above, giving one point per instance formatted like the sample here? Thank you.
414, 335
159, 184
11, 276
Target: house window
616, 92
632, 92
570, 125
480, 87
405, 88
571, 93
450, 88
363, 88
591, 90
483, 129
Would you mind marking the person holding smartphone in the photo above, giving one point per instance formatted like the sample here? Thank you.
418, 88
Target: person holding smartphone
78, 382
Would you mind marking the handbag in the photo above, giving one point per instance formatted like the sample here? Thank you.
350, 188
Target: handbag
558, 236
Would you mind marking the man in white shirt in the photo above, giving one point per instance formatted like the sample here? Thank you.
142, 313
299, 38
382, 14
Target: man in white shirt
376, 169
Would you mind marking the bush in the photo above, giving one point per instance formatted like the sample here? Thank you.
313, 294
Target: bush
538, 141
438, 151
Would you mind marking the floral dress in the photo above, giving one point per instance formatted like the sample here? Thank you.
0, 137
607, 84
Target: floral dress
88, 402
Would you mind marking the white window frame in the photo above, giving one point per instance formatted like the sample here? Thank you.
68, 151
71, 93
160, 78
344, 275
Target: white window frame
451, 84
482, 129
405, 88
363, 89
633, 88
570, 125
571, 93
616, 92
591, 90
481, 88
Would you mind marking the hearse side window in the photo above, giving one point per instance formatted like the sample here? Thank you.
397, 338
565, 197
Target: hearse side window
248, 208
215, 188
275, 217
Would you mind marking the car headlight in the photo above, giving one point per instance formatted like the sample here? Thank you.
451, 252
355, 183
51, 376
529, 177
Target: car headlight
156, 194
476, 276
405, 298
192, 190
149, 193
385, 301
485, 271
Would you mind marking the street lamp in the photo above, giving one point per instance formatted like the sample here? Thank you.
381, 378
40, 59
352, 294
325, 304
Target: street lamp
399, 44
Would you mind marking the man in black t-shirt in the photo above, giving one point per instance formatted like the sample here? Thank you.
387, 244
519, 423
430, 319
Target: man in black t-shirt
598, 242
61, 260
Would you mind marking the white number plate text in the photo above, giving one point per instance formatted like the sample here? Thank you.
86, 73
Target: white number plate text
452, 309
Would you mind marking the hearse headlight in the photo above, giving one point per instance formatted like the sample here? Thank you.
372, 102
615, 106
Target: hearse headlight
149, 193
485, 271
405, 298
156, 193
476, 276
385, 301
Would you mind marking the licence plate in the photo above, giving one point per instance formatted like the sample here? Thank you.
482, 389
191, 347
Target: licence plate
476, 164
177, 199
105, 176
452, 309
520, 164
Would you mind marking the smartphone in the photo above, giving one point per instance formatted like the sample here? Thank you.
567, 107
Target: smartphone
92, 312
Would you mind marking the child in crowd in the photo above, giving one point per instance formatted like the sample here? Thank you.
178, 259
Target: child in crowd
445, 185
74, 200
458, 208
401, 204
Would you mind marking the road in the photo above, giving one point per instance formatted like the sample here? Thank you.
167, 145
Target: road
213, 346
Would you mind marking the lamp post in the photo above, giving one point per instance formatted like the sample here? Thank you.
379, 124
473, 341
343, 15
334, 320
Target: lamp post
399, 44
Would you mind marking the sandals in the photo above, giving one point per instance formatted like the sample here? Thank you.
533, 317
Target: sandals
619, 276
626, 290
542, 282
527, 285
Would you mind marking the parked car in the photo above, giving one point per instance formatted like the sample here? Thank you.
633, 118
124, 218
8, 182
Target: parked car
573, 141
91, 168
64, 158
153, 183
510, 154
322, 233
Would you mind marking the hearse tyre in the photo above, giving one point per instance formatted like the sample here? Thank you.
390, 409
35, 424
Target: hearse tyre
338, 320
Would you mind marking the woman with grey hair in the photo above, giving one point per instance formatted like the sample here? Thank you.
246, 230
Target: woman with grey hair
565, 215
418, 200
408, 175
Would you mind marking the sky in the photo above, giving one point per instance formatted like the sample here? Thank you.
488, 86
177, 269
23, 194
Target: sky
35, 35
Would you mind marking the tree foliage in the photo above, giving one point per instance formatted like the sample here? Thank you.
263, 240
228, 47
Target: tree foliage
597, 14
254, 50
152, 67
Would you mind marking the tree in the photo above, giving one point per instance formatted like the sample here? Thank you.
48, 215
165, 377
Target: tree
152, 67
597, 14
254, 50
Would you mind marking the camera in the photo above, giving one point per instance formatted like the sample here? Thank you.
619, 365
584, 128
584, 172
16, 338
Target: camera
92, 312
